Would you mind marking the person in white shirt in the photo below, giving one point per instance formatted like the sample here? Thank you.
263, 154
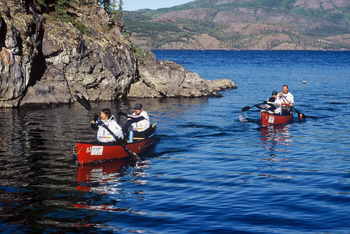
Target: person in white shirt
273, 105
109, 120
139, 121
286, 99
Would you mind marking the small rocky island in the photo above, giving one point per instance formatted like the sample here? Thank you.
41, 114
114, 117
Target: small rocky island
44, 59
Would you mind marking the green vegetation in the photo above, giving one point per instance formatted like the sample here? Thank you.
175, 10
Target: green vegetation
58, 9
166, 31
326, 31
143, 56
116, 9
150, 27
108, 5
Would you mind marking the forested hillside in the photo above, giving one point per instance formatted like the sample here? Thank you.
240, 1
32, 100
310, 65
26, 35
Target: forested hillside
238, 24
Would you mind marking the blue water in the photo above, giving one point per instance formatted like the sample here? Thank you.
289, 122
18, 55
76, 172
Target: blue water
213, 170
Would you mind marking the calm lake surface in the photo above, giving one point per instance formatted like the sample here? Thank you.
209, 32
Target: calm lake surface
213, 169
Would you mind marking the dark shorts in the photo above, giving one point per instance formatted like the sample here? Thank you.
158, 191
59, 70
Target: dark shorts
143, 134
286, 110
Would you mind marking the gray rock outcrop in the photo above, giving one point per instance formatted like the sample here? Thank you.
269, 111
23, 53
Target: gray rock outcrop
44, 60
169, 79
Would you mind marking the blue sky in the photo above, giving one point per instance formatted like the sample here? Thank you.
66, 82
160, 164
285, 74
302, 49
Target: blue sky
132, 5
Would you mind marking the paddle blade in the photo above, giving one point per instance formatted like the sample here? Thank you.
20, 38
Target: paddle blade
245, 108
133, 155
302, 116
82, 100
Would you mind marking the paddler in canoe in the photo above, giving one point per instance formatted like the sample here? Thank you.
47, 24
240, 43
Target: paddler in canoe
272, 105
138, 123
287, 101
109, 120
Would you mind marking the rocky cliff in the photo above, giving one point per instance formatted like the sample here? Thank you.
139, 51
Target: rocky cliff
43, 60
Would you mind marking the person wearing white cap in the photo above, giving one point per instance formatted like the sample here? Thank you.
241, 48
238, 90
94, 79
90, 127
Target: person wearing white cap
139, 121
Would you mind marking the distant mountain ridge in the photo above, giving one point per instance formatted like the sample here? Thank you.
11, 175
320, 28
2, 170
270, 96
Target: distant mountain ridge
250, 25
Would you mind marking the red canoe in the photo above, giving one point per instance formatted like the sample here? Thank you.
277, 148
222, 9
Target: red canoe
268, 119
98, 151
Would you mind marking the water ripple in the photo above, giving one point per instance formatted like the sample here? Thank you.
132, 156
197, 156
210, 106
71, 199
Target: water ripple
213, 170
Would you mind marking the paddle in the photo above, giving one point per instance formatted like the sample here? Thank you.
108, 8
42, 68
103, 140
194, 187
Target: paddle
118, 107
118, 119
85, 103
246, 108
300, 115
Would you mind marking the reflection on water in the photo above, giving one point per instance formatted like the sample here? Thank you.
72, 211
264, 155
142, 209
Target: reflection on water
280, 134
102, 179
98, 177
103, 186
276, 138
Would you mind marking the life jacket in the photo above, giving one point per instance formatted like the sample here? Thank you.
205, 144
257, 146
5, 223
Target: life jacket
142, 125
104, 136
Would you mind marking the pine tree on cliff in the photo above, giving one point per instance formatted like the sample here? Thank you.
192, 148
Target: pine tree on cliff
108, 5
60, 10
